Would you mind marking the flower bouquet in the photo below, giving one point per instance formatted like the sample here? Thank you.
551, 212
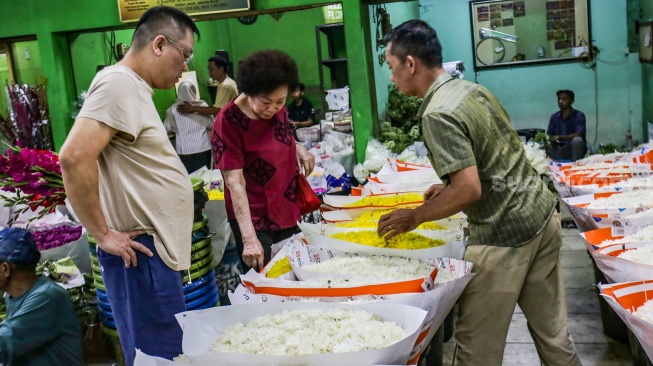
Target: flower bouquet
34, 178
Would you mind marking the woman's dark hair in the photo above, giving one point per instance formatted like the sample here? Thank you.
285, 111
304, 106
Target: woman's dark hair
162, 20
264, 71
418, 39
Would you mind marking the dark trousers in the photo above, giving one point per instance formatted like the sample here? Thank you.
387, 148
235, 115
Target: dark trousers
144, 300
193, 162
267, 238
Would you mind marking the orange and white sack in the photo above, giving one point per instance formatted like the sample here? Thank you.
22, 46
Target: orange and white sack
625, 298
618, 269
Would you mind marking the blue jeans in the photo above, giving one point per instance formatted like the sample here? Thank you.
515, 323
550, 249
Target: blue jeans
144, 300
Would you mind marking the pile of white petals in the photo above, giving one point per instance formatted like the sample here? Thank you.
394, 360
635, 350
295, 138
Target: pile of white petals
536, 156
646, 213
645, 234
369, 270
645, 312
600, 157
640, 198
634, 182
642, 255
303, 332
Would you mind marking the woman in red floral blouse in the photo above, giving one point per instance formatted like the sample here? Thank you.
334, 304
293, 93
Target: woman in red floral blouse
254, 147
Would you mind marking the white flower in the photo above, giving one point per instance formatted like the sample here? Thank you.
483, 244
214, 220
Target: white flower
632, 199
536, 156
645, 312
634, 182
646, 213
301, 332
360, 271
600, 158
645, 234
642, 255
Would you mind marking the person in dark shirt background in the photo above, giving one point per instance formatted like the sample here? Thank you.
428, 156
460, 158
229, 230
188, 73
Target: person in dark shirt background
567, 129
300, 111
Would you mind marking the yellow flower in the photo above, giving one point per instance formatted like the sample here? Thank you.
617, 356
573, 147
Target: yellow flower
380, 201
371, 220
402, 241
280, 267
215, 195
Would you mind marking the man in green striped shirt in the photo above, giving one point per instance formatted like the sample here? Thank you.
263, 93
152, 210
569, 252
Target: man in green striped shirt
515, 236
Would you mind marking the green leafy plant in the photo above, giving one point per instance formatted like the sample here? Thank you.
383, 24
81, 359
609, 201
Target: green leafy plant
402, 127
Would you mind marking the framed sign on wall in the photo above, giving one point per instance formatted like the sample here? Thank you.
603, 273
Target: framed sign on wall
509, 33
131, 10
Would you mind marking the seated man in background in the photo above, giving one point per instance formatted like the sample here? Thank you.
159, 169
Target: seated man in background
300, 111
567, 130
41, 327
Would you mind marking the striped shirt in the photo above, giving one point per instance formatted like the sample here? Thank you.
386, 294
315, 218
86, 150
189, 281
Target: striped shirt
192, 131
465, 125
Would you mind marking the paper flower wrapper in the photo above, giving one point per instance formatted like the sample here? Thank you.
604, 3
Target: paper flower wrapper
201, 329
625, 298
454, 246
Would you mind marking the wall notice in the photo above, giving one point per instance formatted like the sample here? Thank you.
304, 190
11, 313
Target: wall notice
131, 10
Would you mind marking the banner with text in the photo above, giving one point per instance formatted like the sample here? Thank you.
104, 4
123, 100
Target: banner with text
131, 10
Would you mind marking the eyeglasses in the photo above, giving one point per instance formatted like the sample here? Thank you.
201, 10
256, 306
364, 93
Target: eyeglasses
184, 52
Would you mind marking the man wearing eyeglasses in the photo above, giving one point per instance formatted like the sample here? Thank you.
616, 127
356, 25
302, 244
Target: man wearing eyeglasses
129, 189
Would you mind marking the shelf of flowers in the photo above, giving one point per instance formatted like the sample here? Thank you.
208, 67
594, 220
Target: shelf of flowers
610, 198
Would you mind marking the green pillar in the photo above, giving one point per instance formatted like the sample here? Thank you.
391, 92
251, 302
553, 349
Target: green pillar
361, 78
57, 69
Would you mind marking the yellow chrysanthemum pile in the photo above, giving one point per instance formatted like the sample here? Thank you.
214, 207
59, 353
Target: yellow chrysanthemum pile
371, 220
279, 268
387, 201
402, 241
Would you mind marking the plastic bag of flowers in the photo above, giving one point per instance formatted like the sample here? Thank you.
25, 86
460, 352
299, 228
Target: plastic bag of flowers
625, 262
415, 244
302, 333
632, 302
369, 217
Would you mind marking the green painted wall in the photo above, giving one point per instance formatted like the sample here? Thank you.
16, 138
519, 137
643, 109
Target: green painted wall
528, 92
399, 13
51, 22
647, 74
27, 71
4, 78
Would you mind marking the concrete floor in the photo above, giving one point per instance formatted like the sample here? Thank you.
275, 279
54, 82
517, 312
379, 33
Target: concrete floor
594, 347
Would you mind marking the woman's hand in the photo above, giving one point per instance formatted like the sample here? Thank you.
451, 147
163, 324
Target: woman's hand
253, 253
305, 160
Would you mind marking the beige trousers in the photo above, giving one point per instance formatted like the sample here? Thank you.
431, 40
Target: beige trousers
528, 275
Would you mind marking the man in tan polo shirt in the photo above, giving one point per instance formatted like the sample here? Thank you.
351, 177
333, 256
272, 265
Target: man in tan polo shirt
129, 189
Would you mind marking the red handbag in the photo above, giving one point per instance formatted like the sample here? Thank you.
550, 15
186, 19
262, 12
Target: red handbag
306, 199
